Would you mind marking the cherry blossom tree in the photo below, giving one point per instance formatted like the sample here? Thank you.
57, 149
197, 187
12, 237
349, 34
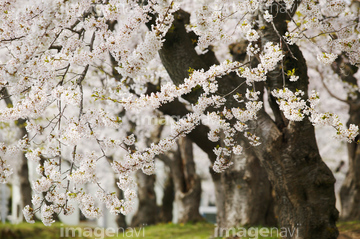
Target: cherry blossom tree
70, 68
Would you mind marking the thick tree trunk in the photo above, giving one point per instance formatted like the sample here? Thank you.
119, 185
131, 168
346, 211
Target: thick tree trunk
178, 55
246, 187
199, 136
220, 202
147, 213
303, 184
166, 208
248, 193
236, 193
260, 201
187, 183
350, 190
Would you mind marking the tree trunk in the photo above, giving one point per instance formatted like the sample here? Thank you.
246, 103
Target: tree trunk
303, 184
187, 183
220, 202
350, 190
166, 208
246, 187
260, 201
25, 187
147, 213
178, 53
199, 136
248, 193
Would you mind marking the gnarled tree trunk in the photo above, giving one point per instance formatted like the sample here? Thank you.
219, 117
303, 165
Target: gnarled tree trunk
247, 193
350, 190
303, 184
147, 213
178, 55
260, 201
246, 187
166, 208
187, 183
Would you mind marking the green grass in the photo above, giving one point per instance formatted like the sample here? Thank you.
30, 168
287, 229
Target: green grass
172, 231
178, 231
349, 226
30, 231
349, 229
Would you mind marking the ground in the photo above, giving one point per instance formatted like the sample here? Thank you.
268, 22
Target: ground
348, 230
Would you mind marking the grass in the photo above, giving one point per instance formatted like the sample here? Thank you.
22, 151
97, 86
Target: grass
349, 226
178, 231
57, 231
172, 231
349, 229
30, 231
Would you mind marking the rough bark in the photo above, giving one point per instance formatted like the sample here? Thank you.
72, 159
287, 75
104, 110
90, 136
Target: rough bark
166, 208
248, 192
187, 183
199, 136
350, 190
147, 213
220, 202
260, 202
303, 184
247, 189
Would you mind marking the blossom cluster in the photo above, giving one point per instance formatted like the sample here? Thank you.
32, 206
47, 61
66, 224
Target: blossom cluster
295, 108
